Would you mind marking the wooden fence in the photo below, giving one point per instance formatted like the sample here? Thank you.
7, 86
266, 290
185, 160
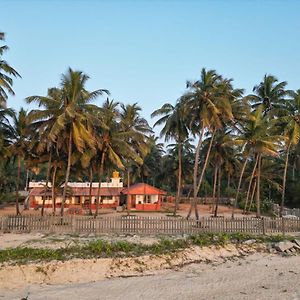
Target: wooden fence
146, 225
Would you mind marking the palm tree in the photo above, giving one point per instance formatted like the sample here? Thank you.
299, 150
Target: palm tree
258, 141
151, 167
221, 158
291, 131
209, 102
73, 117
115, 144
6, 71
270, 94
175, 127
19, 144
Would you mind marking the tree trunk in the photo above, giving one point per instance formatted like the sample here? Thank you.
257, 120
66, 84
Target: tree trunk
90, 191
203, 171
179, 178
284, 179
239, 186
100, 174
219, 192
17, 187
195, 173
258, 187
228, 182
47, 180
128, 204
252, 195
67, 175
250, 183
53, 190
214, 188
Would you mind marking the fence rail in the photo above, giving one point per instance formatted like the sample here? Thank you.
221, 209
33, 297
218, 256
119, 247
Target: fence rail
146, 225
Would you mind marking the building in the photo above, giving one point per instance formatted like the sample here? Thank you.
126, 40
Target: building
78, 194
112, 194
142, 196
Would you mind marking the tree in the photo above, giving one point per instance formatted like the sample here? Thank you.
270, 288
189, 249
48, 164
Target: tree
290, 124
6, 74
19, 143
175, 127
269, 94
208, 100
258, 141
74, 117
114, 143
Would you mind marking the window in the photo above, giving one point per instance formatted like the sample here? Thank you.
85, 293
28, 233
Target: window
77, 199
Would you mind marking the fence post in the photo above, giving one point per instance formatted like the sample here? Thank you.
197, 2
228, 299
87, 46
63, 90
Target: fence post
283, 226
263, 226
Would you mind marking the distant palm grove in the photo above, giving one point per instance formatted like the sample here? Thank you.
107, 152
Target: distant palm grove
221, 142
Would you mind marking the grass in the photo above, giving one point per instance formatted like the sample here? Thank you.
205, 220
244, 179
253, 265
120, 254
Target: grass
101, 248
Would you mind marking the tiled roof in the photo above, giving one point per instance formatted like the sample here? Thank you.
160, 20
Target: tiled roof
143, 189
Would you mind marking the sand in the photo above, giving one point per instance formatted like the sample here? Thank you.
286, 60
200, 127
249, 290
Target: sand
258, 276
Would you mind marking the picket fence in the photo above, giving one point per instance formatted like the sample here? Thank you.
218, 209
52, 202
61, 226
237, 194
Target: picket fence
146, 225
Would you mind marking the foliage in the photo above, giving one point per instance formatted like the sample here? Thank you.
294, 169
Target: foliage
101, 248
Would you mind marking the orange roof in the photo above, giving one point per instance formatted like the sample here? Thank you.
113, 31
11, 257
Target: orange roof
143, 189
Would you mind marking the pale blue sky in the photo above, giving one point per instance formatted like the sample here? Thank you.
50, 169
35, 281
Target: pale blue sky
144, 51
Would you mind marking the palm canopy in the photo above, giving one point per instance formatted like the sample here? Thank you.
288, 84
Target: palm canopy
6, 74
256, 137
137, 128
270, 94
290, 122
174, 119
18, 134
68, 109
208, 101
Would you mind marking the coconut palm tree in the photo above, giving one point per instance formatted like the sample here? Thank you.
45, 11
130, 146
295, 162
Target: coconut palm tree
19, 144
73, 119
209, 102
6, 74
270, 94
221, 158
258, 141
174, 119
151, 167
290, 124
115, 145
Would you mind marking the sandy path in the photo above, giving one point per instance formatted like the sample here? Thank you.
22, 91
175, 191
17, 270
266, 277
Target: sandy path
259, 276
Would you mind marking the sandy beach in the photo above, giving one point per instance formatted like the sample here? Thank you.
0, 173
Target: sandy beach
258, 276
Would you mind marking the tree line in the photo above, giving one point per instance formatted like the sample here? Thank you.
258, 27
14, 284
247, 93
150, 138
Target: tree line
219, 141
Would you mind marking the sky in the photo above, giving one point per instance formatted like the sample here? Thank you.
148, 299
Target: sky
144, 51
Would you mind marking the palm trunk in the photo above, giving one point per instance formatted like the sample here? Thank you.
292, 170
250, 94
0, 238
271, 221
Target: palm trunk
53, 190
258, 187
284, 179
47, 180
239, 186
67, 175
252, 195
203, 171
17, 187
250, 183
228, 182
214, 188
90, 191
219, 192
195, 173
128, 204
179, 178
100, 174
